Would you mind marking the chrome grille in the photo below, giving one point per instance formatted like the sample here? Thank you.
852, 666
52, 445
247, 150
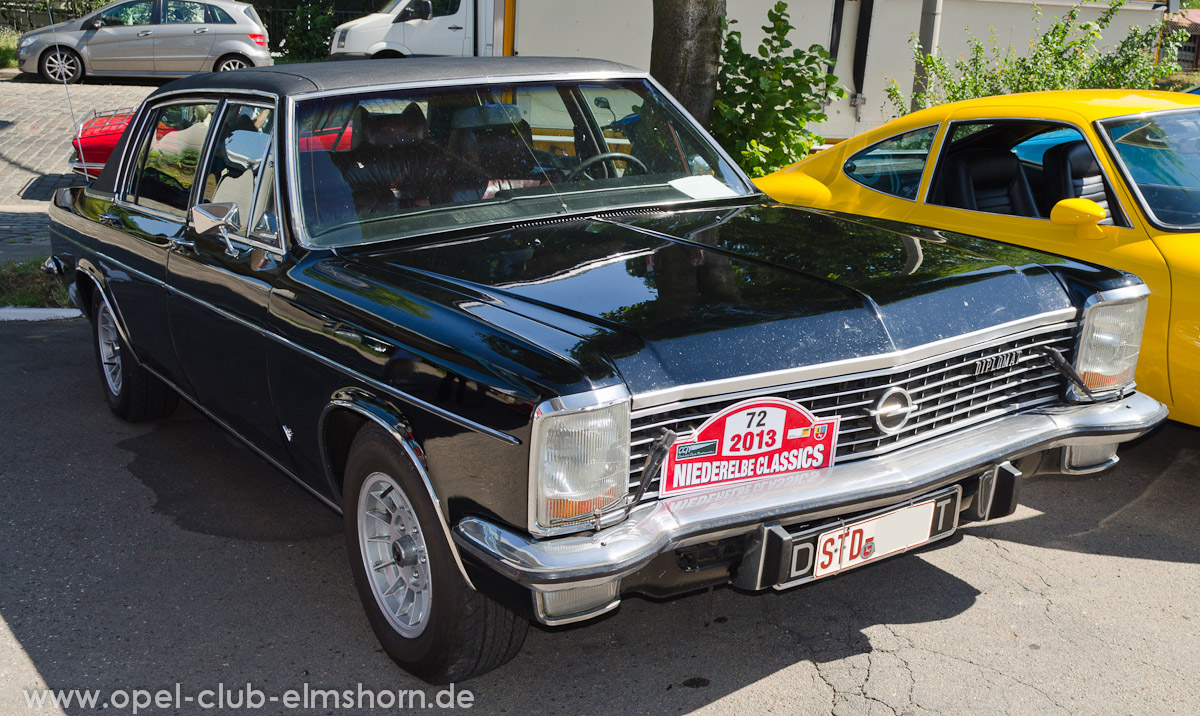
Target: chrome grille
946, 391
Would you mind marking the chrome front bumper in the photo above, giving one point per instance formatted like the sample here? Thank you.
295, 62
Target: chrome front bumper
588, 560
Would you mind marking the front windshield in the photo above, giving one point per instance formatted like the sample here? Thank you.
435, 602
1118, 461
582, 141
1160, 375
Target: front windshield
1161, 154
383, 165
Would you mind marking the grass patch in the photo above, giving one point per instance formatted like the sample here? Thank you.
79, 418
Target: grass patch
24, 285
8, 46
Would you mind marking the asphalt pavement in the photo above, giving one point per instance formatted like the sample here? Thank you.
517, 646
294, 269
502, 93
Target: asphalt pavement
141, 556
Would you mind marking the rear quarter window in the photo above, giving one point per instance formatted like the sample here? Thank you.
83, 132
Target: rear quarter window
893, 166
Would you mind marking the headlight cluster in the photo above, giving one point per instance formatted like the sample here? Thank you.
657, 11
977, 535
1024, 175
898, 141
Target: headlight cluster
1110, 338
25, 43
579, 462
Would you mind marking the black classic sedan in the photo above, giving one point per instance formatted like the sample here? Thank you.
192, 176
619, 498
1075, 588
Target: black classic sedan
528, 327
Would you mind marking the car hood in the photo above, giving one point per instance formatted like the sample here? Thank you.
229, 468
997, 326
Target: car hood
673, 298
375, 18
60, 28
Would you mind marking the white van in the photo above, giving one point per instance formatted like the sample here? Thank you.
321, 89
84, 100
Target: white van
406, 28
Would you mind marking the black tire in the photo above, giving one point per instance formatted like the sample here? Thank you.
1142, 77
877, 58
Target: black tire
133, 394
465, 633
228, 63
60, 64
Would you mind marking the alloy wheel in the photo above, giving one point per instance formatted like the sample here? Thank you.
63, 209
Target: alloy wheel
61, 66
110, 349
394, 554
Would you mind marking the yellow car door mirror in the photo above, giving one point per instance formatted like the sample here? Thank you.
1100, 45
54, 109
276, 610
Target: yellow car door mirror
1084, 214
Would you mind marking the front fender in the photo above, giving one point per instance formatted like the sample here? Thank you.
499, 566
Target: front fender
369, 406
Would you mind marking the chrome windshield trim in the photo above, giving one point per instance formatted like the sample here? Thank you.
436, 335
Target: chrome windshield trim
665, 396
349, 372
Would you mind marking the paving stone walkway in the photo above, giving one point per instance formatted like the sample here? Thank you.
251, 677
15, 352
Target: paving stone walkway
36, 127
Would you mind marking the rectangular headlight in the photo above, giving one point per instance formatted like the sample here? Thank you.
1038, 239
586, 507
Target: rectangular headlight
579, 459
1110, 339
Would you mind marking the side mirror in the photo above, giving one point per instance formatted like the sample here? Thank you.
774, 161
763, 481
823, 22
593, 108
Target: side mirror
95, 24
216, 218
1084, 214
794, 187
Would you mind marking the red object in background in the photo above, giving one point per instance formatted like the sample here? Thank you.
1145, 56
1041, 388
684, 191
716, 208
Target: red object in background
97, 137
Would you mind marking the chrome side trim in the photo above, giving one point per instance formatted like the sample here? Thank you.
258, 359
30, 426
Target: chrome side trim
350, 372
655, 528
834, 369
224, 426
401, 437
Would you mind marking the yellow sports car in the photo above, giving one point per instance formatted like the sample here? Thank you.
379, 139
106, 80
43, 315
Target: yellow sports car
1108, 176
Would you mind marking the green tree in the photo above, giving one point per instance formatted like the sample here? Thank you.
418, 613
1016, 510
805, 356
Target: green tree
309, 33
1065, 56
765, 102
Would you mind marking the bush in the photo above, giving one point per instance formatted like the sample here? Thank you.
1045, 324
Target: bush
1065, 56
309, 33
765, 102
8, 46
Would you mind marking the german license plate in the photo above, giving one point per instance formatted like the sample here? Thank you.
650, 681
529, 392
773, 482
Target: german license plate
830, 549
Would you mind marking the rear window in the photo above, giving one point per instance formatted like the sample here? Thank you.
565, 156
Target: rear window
220, 16
893, 166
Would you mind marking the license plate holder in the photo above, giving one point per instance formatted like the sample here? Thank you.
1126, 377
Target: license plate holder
834, 548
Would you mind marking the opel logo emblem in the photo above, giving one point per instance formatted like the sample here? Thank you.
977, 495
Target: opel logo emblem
890, 413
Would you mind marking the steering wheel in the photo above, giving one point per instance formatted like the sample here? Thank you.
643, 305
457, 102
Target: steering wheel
605, 157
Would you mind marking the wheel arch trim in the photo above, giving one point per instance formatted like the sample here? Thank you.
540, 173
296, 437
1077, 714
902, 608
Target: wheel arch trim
85, 268
367, 406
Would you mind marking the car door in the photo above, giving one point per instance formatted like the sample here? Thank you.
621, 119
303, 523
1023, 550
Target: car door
183, 38
220, 288
148, 218
971, 138
444, 33
125, 40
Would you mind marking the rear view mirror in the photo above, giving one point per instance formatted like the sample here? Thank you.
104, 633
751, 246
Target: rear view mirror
216, 218
1084, 214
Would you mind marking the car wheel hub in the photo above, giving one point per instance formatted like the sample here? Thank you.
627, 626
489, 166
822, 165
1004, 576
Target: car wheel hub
60, 65
394, 554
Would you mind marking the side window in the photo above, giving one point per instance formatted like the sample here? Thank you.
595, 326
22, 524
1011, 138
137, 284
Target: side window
893, 166
241, 170
441, 8
183, 11
220, 16
1020, 168
130, 13
168, 158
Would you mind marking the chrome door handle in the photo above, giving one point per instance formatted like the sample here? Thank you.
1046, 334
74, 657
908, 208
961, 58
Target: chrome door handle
200, 30
144, 33
109, 219
181, 245
454, 27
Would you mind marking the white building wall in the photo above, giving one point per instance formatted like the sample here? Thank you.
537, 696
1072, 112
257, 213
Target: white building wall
621, 30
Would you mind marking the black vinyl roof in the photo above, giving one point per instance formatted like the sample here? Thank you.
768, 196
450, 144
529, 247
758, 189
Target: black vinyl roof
285, 80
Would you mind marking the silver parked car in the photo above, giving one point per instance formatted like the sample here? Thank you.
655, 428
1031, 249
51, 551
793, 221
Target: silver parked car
148, 37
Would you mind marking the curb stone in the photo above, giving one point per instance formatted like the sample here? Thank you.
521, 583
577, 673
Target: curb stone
10, 313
